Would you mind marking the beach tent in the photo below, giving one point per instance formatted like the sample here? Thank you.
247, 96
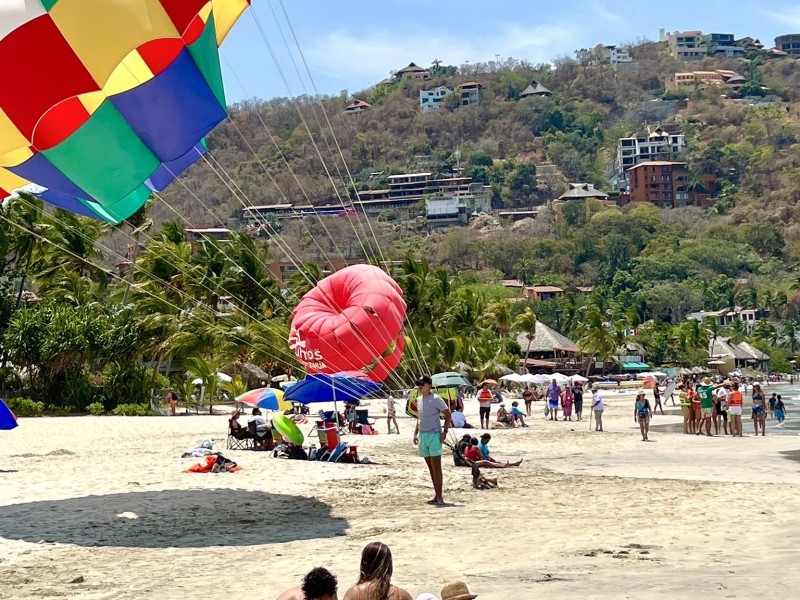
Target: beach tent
578, 379
8, 420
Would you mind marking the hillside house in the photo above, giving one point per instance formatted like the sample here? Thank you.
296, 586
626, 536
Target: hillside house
535, 89
540, 293
616, 55
430, 100
582, 191
789, 43
653, 143
357, 107
666, 185
736, 356
726, 316
720, 77
413, 72
471, 93
685, 45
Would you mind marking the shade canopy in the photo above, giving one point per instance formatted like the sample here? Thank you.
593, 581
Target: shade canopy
341, 387
635, 366
450, 379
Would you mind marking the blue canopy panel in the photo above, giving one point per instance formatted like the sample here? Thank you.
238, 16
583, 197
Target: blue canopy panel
168, 172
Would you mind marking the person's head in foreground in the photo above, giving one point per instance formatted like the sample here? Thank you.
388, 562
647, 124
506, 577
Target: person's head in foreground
706, 381
485, 438
319, 584
457, 590
555, 382
256, 411
376, 569
424, 384
515, 403
473, 441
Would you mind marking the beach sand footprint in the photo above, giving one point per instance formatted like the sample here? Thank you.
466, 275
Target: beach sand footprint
172, 519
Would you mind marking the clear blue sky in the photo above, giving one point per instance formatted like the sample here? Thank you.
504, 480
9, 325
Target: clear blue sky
352, 45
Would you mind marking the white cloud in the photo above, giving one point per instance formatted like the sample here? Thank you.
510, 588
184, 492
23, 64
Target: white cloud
789, 16
609, 15
370, 56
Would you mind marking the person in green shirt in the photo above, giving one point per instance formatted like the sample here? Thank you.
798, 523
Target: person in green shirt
706, 393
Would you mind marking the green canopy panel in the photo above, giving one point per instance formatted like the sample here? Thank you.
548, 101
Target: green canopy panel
635, 366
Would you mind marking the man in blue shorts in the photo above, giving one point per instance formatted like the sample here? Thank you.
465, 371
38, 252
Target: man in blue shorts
430, 434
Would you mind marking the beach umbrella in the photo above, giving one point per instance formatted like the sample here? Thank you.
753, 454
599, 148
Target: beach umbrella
250, 397
450, 379
540, 379
513, 378
8, 420
560, 378
331, 388
268, 399
578, 379
491, 382
220, 377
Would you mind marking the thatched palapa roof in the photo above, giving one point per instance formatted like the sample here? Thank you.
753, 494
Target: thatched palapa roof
546, 340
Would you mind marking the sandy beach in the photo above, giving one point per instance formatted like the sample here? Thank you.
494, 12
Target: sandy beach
99, 507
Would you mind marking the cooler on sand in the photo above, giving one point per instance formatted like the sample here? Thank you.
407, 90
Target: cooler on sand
328, 434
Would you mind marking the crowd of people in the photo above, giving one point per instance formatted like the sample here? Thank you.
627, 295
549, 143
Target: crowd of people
374, 582
705, 404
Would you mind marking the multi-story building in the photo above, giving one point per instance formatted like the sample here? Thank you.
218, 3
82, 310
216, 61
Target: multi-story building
653, 143
685, 45
789, 43
722, 44
719, 77
617, 55
407, 192
432, 99
471, 93
665, 184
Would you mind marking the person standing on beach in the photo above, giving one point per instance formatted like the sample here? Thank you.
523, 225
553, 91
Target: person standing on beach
772, 402
657, 398
553, 395
721, 406
527, 396
780, 410
706, 394
642, 413
759, 409
686, 408
391, 415
598, 407
735, 402
485, 405
429, 433
577, 391
567, 400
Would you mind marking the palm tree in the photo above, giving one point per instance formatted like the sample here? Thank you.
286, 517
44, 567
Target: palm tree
595, 338
526, 322
789, 332
498, 317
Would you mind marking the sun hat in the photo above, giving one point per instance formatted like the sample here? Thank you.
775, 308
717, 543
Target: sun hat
457, 590
726, 382
706, 380
640, 392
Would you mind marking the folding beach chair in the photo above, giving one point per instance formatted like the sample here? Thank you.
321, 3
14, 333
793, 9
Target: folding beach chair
239, 438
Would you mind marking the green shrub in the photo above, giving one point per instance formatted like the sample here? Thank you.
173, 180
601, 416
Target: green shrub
96, 409
61, 411
126, 383
132, 410
78, 392
25, 407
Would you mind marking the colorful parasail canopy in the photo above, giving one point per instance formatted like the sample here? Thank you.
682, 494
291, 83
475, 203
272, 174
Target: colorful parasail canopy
106, 101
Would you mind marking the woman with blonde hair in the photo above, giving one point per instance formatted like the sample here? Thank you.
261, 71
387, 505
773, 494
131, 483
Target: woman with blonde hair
374, 581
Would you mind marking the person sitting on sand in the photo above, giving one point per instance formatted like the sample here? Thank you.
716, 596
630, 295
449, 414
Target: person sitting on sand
374, 580
318, 584
458, 420
519, 416
503, 416
474, 455
460, 449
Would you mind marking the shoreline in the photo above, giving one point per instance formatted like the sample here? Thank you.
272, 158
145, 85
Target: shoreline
586, 515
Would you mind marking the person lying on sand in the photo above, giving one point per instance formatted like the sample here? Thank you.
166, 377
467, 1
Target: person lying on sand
318, 584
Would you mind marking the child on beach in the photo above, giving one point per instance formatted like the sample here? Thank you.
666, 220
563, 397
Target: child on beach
780, 410
517, 413
391, 415
318, 584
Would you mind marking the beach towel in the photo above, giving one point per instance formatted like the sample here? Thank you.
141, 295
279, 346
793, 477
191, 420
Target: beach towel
215, 464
